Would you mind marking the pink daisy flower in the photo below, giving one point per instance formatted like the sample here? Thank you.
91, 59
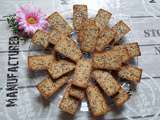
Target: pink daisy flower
30, 19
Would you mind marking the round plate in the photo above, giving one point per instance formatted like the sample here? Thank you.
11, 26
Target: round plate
136, 106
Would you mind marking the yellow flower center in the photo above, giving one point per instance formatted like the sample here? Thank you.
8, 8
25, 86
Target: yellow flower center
31, 20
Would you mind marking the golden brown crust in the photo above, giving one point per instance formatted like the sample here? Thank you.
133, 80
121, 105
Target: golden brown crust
88, 36
69, 104
80, 15
96, 100
102, 18
120, 29
123, 51
82, 73
121, 98
55, 36
58, 22
133, 49
59, 68
77, 92
40, 38
110, 60
39, 62
106, 81
104, 38
131, 73
48, 88
68, 48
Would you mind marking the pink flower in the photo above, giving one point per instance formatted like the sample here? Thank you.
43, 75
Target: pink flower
30, 19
